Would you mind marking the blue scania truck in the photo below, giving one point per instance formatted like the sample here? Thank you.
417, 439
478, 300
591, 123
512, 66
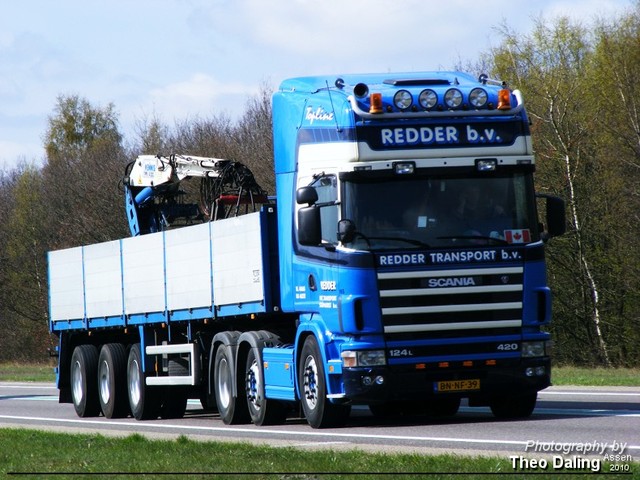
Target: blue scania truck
400, 265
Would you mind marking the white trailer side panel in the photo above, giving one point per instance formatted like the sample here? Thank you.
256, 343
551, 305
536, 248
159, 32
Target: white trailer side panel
188, 252
190, 273
237, 260
103, 279
66, 289
143, 273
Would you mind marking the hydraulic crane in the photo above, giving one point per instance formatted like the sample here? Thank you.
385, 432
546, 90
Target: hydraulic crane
155, 201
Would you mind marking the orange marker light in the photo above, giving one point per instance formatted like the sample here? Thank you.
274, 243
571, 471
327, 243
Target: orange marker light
443, 364
490, 362
467, 363
504, 99
375, 102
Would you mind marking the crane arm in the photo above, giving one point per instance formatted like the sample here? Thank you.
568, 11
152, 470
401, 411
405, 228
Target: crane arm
156, 170
153, 198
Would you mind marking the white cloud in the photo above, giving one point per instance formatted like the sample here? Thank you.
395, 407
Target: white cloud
198, 94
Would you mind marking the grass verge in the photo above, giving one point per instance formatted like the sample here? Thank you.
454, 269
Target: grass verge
42, 455
27, 372
598, 376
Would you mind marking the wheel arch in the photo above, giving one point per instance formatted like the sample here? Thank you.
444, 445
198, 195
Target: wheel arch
318, 330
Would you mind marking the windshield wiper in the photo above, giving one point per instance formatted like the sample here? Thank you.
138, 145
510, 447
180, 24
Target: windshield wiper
499, 241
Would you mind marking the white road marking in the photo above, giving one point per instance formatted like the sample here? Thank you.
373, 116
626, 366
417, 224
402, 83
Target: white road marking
592, 394
286, 433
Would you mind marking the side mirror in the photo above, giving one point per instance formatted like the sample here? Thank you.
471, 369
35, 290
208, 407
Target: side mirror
556, 218
346, 231
307, 195
309, 232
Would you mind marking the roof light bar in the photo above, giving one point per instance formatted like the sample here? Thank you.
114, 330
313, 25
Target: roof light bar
376, 109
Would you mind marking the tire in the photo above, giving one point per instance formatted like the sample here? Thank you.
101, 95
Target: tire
143, 401
233, 411
261, 410
174, 399
514, 406
318, 410
112, 381
83, 376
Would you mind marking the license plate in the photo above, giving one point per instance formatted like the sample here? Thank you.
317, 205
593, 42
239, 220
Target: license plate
458, 385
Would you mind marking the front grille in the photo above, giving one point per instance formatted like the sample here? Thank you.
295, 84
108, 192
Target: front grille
451, 300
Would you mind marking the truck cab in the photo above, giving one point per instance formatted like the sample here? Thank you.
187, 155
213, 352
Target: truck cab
417, 258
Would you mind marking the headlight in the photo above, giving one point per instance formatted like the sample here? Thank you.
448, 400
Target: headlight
533, 349
453, 98
478, 97
428, 99
402, 99
363, 358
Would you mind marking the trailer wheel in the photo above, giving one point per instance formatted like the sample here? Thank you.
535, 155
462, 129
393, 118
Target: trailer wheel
144, 401
514, 406
174, 399
232, 410
112, 380
318, 410
84, 381
261, 410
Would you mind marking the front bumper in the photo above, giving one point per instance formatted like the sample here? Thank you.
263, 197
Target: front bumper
406, 382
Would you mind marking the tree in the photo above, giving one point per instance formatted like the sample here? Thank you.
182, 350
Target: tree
616, 69
556, 68
85, 163
23, 298
76, 127
153, 135
255, 138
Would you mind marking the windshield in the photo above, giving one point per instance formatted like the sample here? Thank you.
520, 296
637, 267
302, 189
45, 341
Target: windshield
441, 211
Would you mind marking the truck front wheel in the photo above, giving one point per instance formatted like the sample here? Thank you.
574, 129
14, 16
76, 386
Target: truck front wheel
84, 381
318, 410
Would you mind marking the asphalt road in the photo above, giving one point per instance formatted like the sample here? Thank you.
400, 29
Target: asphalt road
567, 421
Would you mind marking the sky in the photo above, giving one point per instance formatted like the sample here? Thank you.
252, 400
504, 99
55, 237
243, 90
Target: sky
176, 60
